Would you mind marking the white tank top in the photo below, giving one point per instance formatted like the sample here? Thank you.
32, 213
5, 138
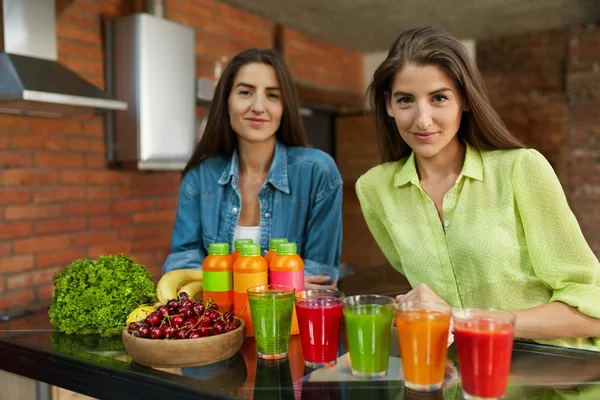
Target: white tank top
247, 232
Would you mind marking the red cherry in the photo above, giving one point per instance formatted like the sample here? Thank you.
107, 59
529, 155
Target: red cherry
183, 296
194, 335
205, 331
205, 321
144, 331
213, 306
227, 317
182, 334
156, 333
169, 332
162, 311
187, 304
218, 327
177, 321
186, 312
153, 319
134, 326
199, 309
173, 304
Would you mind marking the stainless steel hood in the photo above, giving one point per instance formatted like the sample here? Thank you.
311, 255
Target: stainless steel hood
32, 82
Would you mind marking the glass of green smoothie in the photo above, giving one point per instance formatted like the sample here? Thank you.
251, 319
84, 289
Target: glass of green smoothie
368, 319
271, 309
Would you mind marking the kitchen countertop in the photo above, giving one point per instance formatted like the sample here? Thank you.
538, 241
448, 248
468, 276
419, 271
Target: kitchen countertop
99, 367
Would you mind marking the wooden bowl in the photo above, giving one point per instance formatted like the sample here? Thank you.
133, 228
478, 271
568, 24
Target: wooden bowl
166, 353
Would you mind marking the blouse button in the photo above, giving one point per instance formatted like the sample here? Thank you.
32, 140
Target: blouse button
234, 210
446, 223
450, 195
267, 215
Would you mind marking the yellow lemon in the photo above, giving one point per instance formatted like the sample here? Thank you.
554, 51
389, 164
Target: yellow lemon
139, 314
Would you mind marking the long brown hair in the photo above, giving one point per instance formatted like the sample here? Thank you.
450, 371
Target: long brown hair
219, 138
480, 127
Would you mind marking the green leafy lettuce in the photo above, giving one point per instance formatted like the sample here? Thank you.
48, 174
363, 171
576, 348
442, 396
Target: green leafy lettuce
96, 296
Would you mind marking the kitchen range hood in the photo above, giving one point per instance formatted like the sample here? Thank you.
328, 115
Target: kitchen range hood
32, 82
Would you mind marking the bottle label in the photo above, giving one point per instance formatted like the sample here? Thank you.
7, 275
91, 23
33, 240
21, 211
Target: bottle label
293, 278
219, 281
242, 282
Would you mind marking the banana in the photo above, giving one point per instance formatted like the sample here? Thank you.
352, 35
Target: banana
193, 289
167, 286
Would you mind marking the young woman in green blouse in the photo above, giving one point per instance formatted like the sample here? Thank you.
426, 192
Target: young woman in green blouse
460, 207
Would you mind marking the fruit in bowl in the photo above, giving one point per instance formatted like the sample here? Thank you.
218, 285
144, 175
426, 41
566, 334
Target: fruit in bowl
184, 332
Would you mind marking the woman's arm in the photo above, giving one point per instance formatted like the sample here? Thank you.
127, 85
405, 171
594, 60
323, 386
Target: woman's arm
559, 254
186, 242
555, 320
323, 244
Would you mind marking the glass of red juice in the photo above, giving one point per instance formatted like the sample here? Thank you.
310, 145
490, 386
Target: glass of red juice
319, 321
484, 342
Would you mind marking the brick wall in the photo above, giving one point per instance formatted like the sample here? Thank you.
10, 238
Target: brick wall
583, 152
58, 201
546, 87
322, 64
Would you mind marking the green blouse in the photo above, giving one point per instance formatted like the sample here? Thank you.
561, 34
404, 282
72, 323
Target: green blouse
508, 238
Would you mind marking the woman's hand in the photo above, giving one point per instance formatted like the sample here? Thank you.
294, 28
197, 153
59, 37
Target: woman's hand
423, 293
318, 282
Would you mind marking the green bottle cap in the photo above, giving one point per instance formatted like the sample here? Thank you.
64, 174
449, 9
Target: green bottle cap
237, 244
286, 248
218, 249
252, 249
273, 242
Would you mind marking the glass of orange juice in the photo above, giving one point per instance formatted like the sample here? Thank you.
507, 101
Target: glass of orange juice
423, 340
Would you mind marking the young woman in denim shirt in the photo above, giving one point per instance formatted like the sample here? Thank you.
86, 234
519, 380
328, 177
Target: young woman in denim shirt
253, 176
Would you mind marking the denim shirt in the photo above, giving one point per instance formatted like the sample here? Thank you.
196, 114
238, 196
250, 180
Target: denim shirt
301, 200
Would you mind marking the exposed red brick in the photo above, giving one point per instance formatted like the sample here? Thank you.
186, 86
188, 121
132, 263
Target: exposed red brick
34, 211
94, 238
55, 126
11, 123
87, 207
30, 177
12, 230
14, 159
37, 141
99, 222
16, 299
57, 194
62, 225
59, 160
41, 243
155, 217
94, 161
31, 278
62, 257
124, 206
69, 48
6, 249
16, 263
13, 195
44, 292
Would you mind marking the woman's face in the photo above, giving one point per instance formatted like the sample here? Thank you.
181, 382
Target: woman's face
427, 107
255, 103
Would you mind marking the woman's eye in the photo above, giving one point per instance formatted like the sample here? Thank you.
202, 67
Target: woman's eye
245, 93
404, 100
438, 98
273, 95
